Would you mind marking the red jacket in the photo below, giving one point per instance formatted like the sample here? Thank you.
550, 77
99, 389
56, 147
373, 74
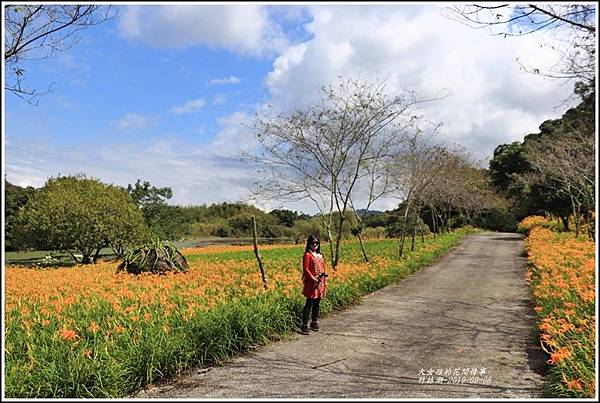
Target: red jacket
312, 266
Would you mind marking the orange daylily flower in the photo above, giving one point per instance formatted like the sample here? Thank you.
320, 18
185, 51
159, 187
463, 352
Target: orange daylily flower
68, 334
575, 384
559, 355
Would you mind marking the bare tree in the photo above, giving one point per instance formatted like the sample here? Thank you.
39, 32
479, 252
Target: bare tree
376, 181
474, 191
414, 169
567, 163
573, 27
449, 188
320, 153
37, 31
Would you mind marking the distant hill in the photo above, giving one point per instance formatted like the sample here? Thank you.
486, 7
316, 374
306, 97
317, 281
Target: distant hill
368, 213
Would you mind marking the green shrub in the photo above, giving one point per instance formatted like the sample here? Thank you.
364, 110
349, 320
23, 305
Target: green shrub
155, 257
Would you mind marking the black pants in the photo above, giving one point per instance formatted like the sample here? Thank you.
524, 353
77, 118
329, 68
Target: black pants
311, 304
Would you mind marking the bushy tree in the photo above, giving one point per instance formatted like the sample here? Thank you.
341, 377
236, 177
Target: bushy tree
287, 217
15, 197
146, 195
164, 221
75, 213
241, 224
266, 225
397, 225
303, 228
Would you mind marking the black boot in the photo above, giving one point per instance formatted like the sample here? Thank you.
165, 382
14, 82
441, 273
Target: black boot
304, 329
314, 326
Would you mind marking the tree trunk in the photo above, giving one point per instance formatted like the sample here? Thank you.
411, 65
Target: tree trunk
96, 255
360, 240
333, 256
327, 225
578, 218
263, 274
575, 216
447, 219
589, 224
565, 222
331, 248
73, 257
414, 232
338, 240
362, 246
401, 247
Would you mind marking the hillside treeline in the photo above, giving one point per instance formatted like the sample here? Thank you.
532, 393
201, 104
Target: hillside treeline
552, 172
75, 209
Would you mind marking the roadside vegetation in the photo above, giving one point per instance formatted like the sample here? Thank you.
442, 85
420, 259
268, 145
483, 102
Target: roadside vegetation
562, 274
90, 331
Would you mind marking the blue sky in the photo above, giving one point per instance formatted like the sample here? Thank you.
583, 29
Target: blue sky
163, 93
107, 87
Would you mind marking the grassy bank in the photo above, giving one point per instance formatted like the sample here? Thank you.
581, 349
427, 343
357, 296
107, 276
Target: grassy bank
86, 331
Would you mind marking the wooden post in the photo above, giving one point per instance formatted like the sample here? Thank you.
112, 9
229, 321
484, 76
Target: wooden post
258, 258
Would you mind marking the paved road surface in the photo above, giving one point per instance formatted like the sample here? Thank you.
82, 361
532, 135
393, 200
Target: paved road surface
458, 329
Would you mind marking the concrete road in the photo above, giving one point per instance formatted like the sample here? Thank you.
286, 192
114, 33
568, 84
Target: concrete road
461, 328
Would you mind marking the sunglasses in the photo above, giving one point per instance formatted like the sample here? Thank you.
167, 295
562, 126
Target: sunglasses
315, 243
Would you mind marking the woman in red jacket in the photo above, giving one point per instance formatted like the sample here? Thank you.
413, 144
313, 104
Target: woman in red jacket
314, 278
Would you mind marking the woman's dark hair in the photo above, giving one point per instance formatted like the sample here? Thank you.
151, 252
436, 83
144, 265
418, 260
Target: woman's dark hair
310, 240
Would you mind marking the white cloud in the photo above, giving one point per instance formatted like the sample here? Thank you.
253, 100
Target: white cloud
235, 135
133, 121
245, 29
219, 99
490, 100
228, 80
196, 173
191, 106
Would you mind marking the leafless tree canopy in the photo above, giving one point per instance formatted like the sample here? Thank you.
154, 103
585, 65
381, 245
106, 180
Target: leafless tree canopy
35, 32
567, 161
324, 151
527, 18
444, 179
573, 26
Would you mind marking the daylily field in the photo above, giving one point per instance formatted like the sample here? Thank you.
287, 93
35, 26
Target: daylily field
561, 273
87, 331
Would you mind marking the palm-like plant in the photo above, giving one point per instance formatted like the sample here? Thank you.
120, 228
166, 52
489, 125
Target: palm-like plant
156, 256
